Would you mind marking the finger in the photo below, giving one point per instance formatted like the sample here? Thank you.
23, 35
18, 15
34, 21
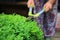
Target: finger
28, 4
32, 3
46, 8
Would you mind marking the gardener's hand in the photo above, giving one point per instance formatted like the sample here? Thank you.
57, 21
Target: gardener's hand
30, 2
48, 6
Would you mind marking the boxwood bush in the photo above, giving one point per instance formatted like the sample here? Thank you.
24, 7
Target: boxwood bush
15, 27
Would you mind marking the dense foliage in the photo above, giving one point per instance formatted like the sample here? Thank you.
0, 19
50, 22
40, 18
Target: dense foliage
15, 27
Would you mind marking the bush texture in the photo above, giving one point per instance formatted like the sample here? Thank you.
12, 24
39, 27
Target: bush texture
15, 27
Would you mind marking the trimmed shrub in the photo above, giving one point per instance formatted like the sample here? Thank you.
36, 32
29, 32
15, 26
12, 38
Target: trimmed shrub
15, 27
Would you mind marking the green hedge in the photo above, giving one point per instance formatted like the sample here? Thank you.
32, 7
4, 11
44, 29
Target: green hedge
15, 27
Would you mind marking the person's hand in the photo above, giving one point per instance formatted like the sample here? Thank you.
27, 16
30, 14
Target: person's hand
30, 2
48, 6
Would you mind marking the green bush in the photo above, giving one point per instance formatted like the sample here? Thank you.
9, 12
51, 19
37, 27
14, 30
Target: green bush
15, 27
